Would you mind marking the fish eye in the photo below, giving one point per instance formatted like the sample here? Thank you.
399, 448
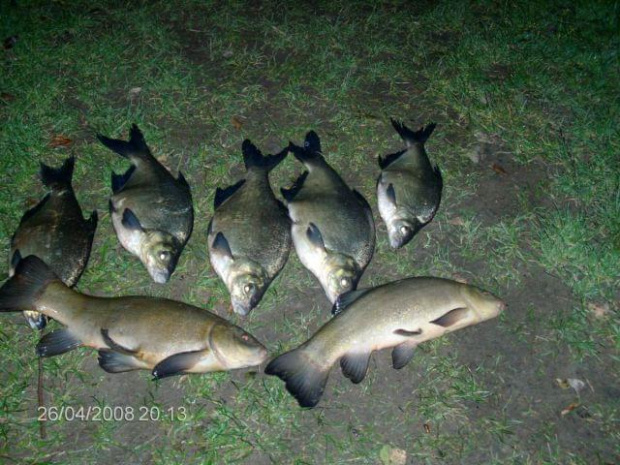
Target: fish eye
344, 282
404, 230
249, 287
164, 255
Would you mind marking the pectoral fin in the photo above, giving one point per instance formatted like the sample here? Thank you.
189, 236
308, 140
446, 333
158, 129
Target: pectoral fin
355, 365
56, 343
220, 245
402, 354
131, 221
452, 317
178, 364
391, 194
406, 333
314, 236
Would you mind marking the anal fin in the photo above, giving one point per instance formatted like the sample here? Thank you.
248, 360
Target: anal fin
355, 365
403, 353
56, 343
114, 362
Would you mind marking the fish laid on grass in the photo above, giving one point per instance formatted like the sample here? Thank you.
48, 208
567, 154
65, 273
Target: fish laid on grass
152, 212
249, 236
401, 314
130, 333
333, 229
55, 231
409, 187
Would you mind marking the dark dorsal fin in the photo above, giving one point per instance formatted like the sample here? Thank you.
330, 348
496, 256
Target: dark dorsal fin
386, 161
131, 221
221, 195
58, 178
346, 299
182, 181
221, 245
290, 193
119, 180
134, 148
253, 158
114, 345
452, 317
311, 149
34, 210
413, 137
355, 365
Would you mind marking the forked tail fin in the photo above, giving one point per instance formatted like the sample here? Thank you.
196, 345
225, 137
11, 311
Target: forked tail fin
134, 148
58, 178
21, 291
304, 379
253, 158
413, 137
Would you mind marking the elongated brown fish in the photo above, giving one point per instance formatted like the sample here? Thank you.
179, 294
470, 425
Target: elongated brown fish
55, 231
409, 187
401, 314
130, 333
250, 233
152, 212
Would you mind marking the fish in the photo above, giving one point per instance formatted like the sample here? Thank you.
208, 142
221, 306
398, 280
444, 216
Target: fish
152, 212
398, 315
409, 187
249, 235
55, 231
333, 229
130, 333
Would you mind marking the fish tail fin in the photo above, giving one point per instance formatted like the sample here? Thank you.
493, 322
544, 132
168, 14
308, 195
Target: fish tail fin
253, 158
413, 137
21, 291
58, 178
311, 149
134, 148
304, 378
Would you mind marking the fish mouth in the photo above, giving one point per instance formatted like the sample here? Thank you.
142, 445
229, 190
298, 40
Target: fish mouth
241, 308
160, 277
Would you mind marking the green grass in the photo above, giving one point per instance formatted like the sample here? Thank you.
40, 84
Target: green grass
533, 85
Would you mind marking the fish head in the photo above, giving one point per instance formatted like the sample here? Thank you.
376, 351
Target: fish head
484, 304
342, 275
401, 231
247, 290
235, 348
160, 255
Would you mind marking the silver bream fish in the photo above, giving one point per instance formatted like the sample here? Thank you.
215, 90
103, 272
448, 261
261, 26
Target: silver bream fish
333, 229
249, 236
55, 231
401, 314
130, 333
152, 212
409, 187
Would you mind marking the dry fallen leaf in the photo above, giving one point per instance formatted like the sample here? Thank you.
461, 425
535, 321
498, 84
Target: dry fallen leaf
599, 310
576, 384
570, 408
60, 141
134, 91
427, 428
236, 122
456, 221
392, 456
498, 169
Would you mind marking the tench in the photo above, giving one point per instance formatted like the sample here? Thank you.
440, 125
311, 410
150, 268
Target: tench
400, 314
55, 231
152, 212
130, 333
409, 187
249, 236
333, 229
